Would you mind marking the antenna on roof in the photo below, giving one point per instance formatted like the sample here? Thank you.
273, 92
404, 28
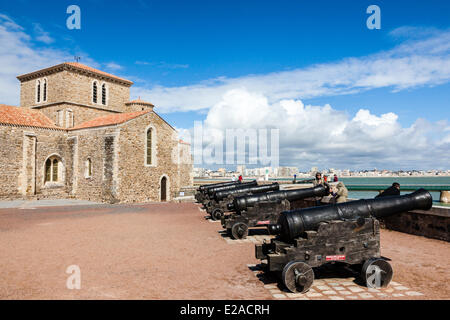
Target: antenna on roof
77, 58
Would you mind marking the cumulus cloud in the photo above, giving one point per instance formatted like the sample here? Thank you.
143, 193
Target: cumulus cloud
320, 135
19, 55
414, 63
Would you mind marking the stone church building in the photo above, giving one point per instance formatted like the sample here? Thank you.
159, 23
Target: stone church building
77, 135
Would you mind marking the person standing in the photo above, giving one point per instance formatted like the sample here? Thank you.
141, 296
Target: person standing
240, 178
335, 179
393, 190
316, 182
341, 193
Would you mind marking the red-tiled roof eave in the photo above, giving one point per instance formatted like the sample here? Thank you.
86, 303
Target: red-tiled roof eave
30, 126
110, 120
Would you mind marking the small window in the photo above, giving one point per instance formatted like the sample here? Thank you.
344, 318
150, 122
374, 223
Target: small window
94, 92
88, 168
60, 120
38, 91
44, 91
52, 167
104, 94
48, 170
69, 119
149, 147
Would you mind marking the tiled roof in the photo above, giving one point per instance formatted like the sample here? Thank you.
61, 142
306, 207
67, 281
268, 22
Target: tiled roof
74, 65
24, 117
110, 120
84, 67
139, 101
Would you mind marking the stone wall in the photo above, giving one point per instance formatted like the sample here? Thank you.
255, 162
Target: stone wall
138, 182
434, 223
23, 152
93, 145
80, 114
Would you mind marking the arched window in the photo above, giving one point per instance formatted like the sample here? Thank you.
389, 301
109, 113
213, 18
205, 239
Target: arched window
38, 91
149, 146
104, 94
52, 169
55, 170
88, 173
48, 170
94, 92
44, 91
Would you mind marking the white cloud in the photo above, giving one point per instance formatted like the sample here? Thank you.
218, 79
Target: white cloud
113, 66
42, 35
18, 55
414, 63
320, 135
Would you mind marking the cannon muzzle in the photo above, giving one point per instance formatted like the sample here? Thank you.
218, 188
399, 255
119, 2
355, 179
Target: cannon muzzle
220, 195
244, 202
205, 187
212, 191
293, 223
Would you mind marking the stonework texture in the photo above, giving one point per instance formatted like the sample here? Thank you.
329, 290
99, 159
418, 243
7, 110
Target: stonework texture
102, 163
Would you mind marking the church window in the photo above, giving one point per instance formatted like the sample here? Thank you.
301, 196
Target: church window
38, 91
94, 92
88, 168
149, 147
104, 94
52, 169
44, 90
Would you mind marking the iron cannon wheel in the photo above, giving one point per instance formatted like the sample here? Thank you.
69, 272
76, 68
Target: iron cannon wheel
239, 230
216, 214
377, 273
297, 276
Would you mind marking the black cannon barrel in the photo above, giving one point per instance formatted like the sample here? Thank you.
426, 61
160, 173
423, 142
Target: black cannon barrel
205, 187
293, 223
220, 195
211, 191
244, 202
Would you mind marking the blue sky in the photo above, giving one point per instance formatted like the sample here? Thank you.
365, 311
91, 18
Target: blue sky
184, 56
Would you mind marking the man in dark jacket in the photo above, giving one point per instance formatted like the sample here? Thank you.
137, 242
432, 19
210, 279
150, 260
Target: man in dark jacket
393, 190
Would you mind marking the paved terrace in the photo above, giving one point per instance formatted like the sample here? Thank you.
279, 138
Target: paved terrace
170, 251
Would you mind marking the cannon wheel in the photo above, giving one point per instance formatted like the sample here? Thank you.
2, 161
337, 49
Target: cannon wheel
239, 230
216, 214
377, 273
297, 276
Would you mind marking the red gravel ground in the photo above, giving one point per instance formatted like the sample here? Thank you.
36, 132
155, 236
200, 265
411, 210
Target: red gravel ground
162, 251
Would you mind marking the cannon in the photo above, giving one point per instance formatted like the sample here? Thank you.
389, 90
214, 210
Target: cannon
202, 190
210, 191
220, 200
259, 210
340, 234
213, 190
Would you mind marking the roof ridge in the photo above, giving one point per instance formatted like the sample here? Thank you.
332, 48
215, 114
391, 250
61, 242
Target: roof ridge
78, 66
109, 120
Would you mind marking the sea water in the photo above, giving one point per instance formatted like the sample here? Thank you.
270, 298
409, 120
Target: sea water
419, 181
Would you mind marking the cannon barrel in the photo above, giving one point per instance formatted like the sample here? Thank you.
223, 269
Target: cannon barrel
293, 223
244, 202
220, 195
211, 191
205, 187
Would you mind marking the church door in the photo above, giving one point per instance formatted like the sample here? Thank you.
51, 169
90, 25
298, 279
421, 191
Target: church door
164, 189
